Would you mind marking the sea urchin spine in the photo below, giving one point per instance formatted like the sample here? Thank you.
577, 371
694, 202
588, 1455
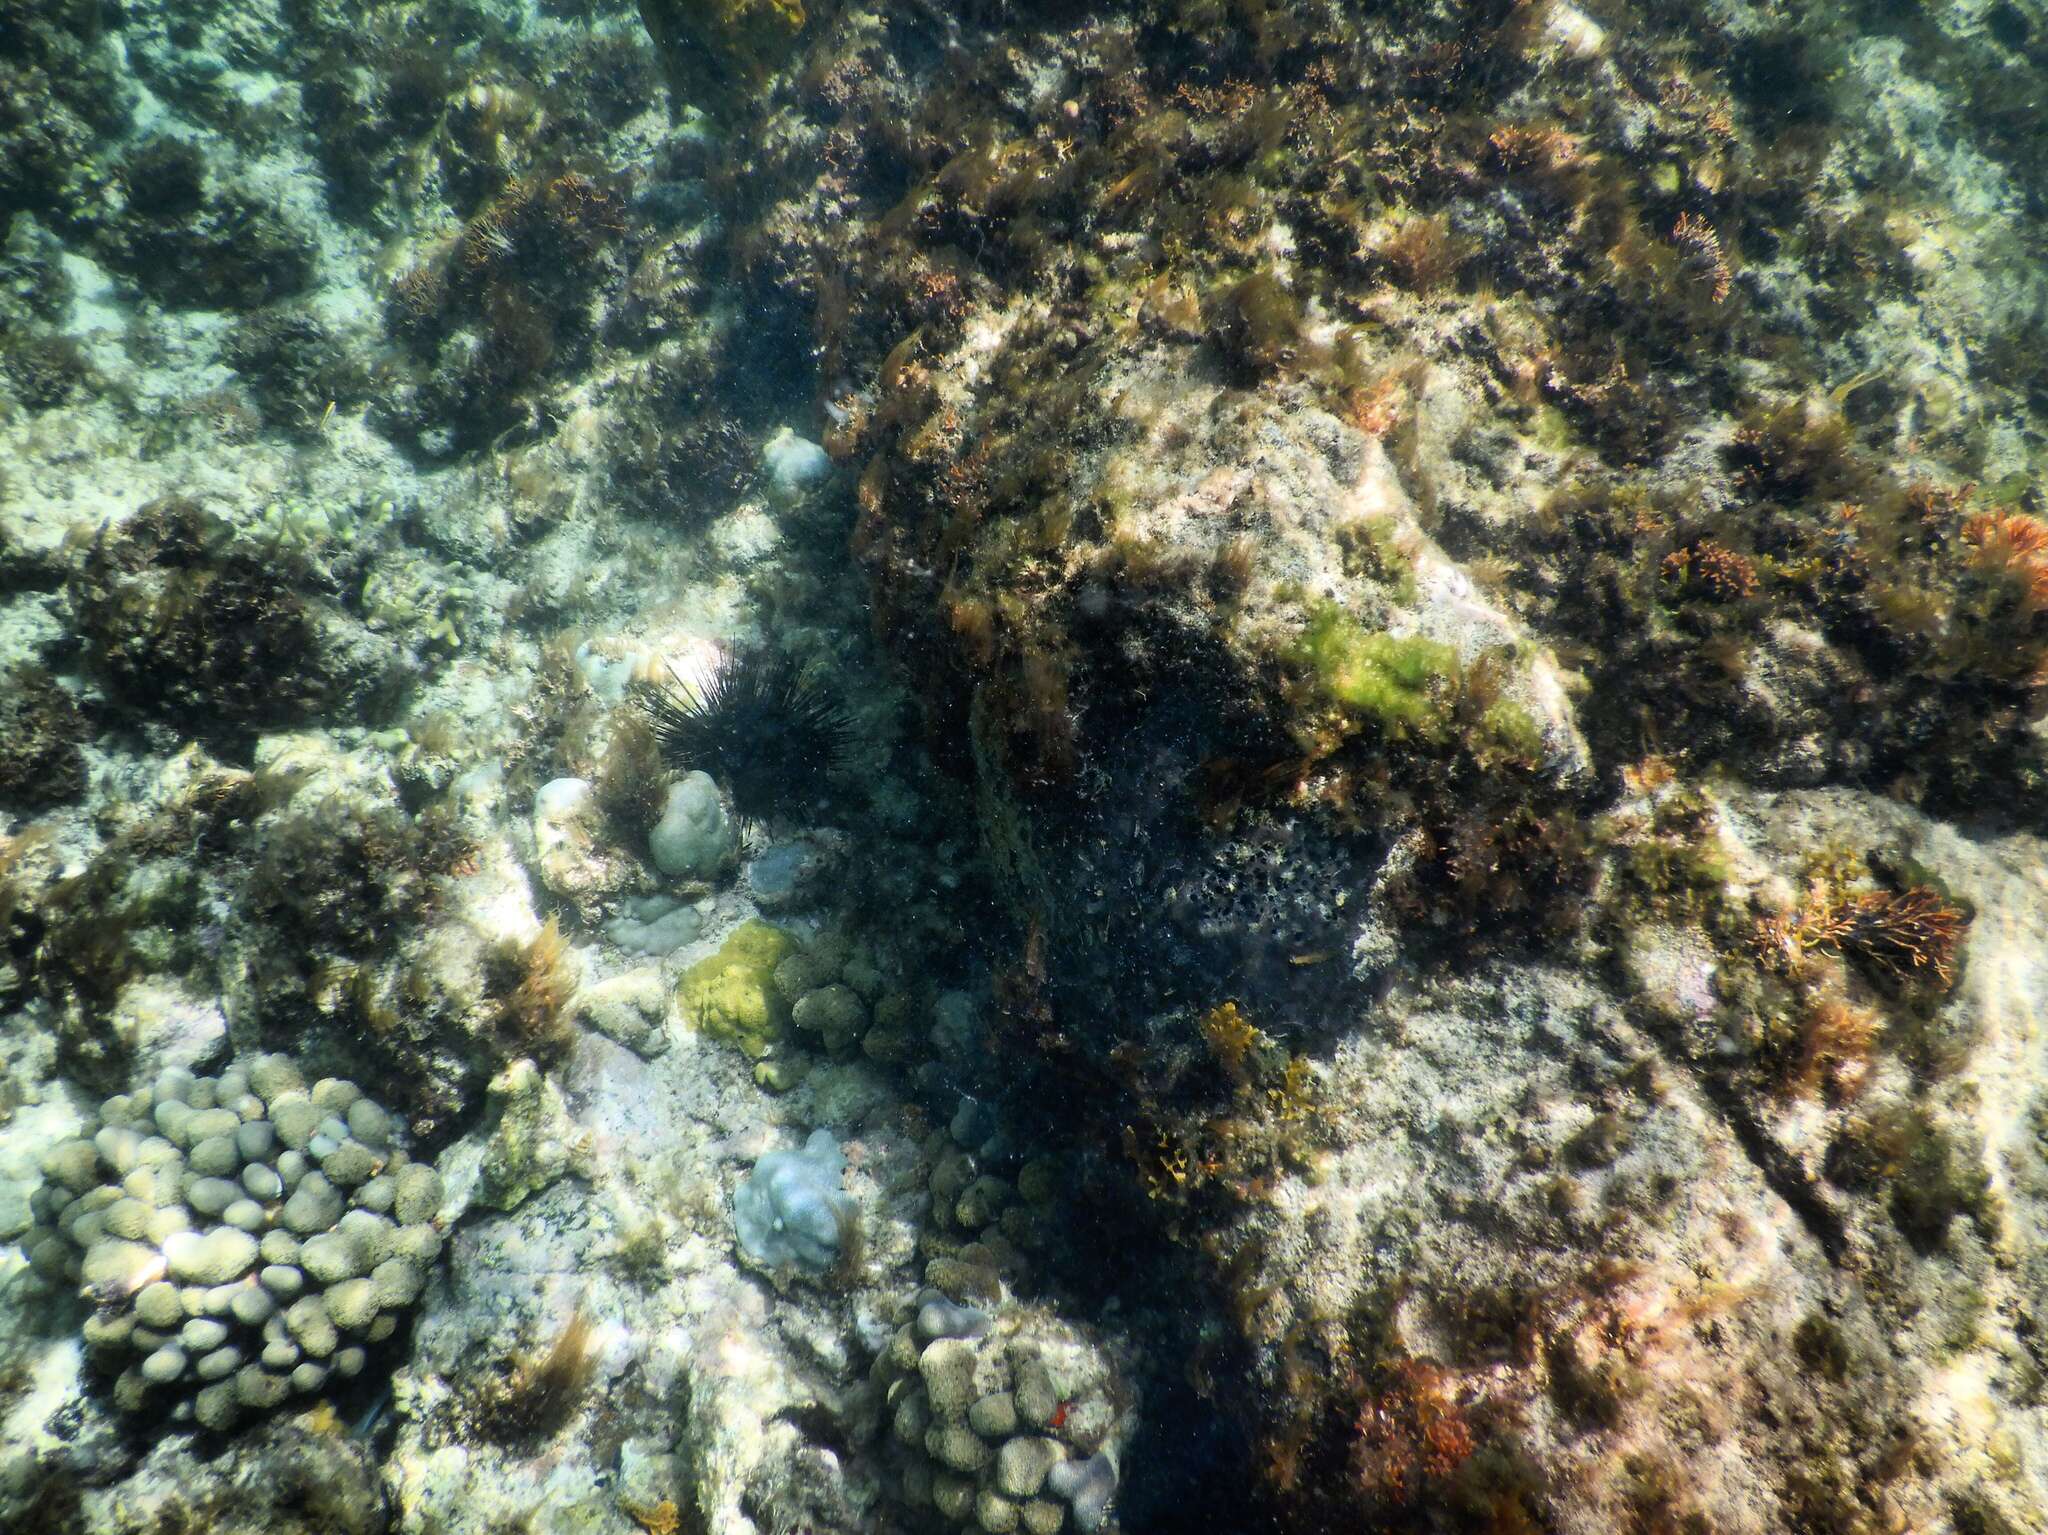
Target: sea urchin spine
759, 724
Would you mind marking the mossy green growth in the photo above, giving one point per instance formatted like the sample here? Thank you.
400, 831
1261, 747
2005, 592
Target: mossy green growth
1371, 547
1512, 729
731, 995
1403, 683
1552, 429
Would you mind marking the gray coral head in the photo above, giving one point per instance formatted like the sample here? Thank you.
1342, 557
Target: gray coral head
1088, 1486
791, 1212
940, 1317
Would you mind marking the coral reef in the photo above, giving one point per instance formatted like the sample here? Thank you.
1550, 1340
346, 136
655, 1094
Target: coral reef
1003, 1421
241, 1239
1358, 692
220, 636
40, 763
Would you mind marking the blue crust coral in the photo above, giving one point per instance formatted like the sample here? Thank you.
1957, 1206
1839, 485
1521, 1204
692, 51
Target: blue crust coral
790, 1212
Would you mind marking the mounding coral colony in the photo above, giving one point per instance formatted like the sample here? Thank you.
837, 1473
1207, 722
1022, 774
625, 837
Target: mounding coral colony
800, 765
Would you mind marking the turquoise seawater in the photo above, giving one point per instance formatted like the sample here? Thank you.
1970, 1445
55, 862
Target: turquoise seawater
781, 766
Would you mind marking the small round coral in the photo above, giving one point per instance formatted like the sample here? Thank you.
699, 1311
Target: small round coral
242, 1239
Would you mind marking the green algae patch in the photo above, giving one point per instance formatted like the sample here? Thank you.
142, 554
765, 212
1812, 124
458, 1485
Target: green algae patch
1512, 729
1401, 682
731, 995
1373, 548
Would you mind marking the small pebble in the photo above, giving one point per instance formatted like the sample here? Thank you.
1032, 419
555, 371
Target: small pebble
221, 1362
210, 1196
214, 1157
256, 1139
164, 1366
352, 1304
419, 1194
282, 1280
260, 1389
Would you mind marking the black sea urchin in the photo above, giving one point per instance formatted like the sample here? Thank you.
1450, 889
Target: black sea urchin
759, 725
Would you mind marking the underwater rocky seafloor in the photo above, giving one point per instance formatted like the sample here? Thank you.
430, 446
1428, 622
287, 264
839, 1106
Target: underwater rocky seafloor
1230, 764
